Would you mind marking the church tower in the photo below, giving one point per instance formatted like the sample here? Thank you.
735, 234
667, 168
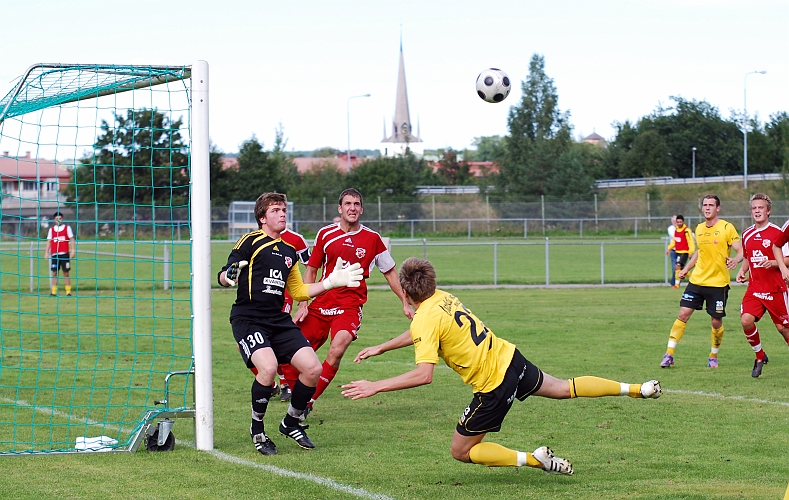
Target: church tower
402, 135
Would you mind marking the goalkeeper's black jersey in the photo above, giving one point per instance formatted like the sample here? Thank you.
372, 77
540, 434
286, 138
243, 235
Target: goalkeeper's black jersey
261, 285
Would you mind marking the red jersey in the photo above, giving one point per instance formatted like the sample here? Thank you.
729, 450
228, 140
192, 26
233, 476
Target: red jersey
364, 246
298, 242
58, 237
758, 248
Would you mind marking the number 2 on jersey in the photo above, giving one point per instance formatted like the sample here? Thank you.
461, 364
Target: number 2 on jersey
477, 338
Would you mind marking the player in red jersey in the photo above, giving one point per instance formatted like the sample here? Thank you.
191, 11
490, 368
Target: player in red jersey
339, 313
61, 248
766, 287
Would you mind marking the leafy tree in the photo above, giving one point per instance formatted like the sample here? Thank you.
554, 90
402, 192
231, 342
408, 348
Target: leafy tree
325, 152
452, 171
260, 171
490, 148
322, 180
539, 135
139, 159
393, 179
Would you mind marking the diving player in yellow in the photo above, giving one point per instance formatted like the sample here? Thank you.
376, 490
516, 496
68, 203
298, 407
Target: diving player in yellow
494, 368
710, 279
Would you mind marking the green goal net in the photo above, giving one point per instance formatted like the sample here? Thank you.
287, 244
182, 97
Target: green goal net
90, 345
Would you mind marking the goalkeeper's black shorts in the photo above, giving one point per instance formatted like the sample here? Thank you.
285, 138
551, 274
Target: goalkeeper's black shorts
278, 333
488, 409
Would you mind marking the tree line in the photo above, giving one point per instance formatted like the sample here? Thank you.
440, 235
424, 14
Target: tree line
142, 158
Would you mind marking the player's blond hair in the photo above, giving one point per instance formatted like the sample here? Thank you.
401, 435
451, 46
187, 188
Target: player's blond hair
762, 196
264, 201
418, 279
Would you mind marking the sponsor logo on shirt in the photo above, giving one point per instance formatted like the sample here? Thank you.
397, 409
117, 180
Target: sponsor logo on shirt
288, 262
275, 282
334, 311
270, 290
766, 243
758, 258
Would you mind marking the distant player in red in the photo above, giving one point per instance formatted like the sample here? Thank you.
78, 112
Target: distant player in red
60, 248
339, 314
766, 287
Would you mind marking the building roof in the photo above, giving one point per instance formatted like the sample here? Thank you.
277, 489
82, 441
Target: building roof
27, 168
593, 137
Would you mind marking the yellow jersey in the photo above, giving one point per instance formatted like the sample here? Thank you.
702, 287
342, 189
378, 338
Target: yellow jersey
714, 244
444, 327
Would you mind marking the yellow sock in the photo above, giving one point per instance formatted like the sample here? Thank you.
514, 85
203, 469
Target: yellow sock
68, 290
677, 331
495, 455
717, 337
676, 277
595, 387
54, 290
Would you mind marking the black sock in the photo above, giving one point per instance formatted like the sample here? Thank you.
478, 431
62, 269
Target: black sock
300, 396
260, 397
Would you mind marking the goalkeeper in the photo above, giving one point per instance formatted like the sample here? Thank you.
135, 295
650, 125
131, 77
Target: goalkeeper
496, 370
264, 267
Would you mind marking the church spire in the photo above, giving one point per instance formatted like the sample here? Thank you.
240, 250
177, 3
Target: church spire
401, 123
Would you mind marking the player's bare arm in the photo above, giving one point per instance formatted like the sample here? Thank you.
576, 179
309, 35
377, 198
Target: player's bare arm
740, 278
781, 261
394, 284
691, 262
731, 262
402, 340
421, 375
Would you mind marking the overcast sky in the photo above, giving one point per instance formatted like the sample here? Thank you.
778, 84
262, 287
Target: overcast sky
298, 62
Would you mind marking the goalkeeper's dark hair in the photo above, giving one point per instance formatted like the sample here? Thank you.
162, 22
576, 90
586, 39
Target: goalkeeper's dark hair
264, 201
351, 192
418, 279
762, 196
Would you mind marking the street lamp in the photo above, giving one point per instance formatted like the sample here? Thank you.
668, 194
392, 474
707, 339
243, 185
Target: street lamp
348, 112
745, 125
694, 163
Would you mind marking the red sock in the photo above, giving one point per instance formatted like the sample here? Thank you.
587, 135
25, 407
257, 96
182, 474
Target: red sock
291, 375
327, 375
756, 342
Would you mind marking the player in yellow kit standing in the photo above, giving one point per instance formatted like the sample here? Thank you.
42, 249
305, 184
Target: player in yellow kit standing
498, 373
710, 280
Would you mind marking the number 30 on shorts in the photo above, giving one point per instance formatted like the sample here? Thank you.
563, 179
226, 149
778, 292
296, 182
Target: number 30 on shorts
255, 339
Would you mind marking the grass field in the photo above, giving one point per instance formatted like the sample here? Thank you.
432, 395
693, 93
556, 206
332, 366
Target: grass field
713, 434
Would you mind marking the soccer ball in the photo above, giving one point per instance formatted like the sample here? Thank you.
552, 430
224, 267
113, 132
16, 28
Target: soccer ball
493, 85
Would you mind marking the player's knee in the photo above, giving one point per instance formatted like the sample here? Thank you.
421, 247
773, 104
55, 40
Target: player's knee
459, 453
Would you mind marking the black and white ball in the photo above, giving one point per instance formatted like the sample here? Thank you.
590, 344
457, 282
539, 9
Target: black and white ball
493, 85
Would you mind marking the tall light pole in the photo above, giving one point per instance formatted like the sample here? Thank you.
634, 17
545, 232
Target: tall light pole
694, 163
745, 125
348, 112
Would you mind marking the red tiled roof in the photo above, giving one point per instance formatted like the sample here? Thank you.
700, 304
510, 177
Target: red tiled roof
24, 167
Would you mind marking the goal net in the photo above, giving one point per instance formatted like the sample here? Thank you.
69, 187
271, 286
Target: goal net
104, 317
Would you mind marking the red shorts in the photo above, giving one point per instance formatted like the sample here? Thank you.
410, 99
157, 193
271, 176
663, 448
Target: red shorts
320, 322
775, 303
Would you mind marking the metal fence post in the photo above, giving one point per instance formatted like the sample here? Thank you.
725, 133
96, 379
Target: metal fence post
602, 263
495, 263
469, 229
547, 264
582, 229
412, 229
424, 248
31, 267
635, 224
166, 266
525, 228
665, 262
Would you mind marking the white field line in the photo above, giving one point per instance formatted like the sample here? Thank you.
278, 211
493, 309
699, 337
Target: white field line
329, 483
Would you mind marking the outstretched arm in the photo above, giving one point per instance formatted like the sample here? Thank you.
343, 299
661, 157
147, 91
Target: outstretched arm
402, 340
421, 375
394, 284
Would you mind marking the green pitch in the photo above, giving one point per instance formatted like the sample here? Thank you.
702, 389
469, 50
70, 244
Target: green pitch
713, 434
